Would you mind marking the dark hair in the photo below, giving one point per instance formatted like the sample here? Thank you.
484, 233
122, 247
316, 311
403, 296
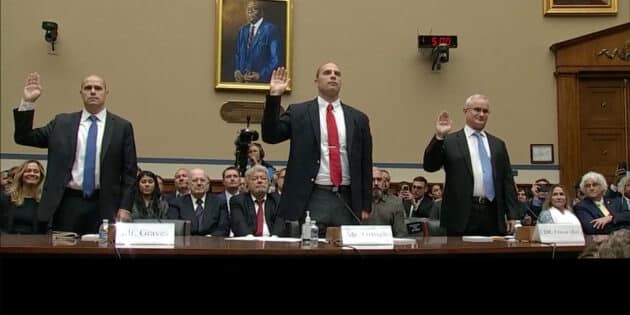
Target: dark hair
261, 151
421, 179
230, 168
155, 196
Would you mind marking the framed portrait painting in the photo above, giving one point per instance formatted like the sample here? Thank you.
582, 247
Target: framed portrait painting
253, 38
580, 7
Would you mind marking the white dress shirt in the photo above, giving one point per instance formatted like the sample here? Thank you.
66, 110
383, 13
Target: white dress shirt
323, 175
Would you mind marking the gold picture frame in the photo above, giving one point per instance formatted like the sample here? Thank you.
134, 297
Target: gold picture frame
580, 7
246, 55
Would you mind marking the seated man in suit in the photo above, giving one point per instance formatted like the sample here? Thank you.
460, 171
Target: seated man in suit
254, 212
599, 215
182, 185
205, 211
420, 204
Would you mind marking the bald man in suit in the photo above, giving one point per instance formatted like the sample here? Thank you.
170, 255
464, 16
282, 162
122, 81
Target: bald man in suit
329, 176
477, 199
72, 199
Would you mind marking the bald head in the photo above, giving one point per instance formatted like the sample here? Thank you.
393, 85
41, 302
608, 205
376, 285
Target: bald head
93, 92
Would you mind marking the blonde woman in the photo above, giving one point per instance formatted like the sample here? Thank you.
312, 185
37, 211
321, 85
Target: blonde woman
19, 203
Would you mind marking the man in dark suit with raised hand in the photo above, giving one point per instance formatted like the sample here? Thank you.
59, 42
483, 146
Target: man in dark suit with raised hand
329, 171
479, 188
91, 159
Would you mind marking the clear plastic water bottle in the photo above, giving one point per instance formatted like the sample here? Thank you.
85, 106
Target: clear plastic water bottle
102, 231
307, 235
314, 234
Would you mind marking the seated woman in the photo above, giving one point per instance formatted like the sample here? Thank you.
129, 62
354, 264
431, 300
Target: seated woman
19, 203
148, 204
556, 208
256, 155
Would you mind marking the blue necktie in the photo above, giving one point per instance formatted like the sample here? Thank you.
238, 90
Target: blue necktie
199, 213
89, 168
486, 167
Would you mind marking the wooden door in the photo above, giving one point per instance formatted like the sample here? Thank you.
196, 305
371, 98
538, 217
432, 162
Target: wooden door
604, 130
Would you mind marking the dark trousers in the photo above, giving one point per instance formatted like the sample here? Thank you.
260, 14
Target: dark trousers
482, 220
330, 208
77, 214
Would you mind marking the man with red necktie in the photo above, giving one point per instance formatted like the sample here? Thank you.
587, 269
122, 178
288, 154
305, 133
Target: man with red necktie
254, 212
329, 170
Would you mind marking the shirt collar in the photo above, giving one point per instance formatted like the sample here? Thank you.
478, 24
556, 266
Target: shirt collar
85, 115
323, 103
257, 24
254, 198
469, 131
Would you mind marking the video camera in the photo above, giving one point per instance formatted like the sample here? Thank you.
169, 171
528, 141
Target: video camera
244, 138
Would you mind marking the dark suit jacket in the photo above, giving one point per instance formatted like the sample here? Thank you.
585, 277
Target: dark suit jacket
215, 217
452, 153
243, 213
300, 123
422, 211
587, 211
117, 161
265, 53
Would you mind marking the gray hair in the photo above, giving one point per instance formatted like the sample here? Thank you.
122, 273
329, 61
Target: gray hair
594, 177
623, 182
255, 169
471, 99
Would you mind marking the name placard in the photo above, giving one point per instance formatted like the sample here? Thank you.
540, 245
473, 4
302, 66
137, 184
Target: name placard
131, 234
559, 234
366, 235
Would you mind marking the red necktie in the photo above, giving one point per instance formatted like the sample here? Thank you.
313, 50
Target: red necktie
259, 218
333, 147
251, 35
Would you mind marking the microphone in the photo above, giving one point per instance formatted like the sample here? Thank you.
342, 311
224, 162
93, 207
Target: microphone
354, 215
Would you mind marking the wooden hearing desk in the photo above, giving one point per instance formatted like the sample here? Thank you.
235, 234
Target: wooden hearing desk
198, 246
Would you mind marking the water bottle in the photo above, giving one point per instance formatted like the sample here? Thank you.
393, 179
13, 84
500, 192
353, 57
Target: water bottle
314, 234
307, 236
102, 231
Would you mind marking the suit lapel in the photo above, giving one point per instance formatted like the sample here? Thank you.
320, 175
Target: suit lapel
492, 144
347, 115
313, 111
76, 121
107, 135
462, 143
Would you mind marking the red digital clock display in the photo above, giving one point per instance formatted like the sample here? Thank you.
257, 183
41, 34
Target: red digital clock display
431, 41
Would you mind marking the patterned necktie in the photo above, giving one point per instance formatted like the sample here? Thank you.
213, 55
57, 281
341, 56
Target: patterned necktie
89, 166
250, 37
199, 213
486, 167
602, 208
260, 217
333, 147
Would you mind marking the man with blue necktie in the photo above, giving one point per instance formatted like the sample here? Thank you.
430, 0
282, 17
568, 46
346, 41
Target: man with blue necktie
479, 189
91, 159
258, 48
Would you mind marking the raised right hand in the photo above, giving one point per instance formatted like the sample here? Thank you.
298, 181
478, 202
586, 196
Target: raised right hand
32, 87
443, 125
279, 81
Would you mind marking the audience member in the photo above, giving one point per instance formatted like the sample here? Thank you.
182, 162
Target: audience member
556, 209
254, 212
205, 211
148, 204
599, 215
19, 203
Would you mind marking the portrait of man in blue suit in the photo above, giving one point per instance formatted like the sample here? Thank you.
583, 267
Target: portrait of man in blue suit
258, 48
